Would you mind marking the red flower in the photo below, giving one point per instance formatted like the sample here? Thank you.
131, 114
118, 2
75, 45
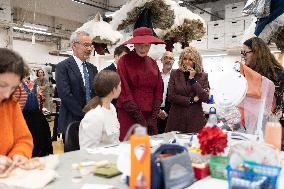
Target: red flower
212, 140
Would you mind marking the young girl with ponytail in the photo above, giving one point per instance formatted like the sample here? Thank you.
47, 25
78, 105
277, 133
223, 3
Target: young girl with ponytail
100, 125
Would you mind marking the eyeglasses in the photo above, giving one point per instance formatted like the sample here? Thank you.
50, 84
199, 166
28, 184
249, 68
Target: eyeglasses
244, 53
168, 58
86, 45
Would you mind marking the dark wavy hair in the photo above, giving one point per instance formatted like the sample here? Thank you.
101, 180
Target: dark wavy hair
263, 61
104, 82
40, 70
12, 62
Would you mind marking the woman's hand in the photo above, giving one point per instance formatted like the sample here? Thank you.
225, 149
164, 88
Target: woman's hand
192, 73
5, 162
19, 160
196, 98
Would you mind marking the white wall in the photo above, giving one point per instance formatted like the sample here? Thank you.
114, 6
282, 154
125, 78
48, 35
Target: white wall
37, 53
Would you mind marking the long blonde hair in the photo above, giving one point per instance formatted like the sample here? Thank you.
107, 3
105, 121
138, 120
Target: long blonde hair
195, 57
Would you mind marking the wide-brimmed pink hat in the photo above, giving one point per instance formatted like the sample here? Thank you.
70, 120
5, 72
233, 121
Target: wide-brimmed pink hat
143, 35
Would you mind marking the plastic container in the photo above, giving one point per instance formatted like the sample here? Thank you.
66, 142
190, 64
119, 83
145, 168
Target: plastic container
218, 166
212, 120
201, 172
273, 132
140, 176
254, 176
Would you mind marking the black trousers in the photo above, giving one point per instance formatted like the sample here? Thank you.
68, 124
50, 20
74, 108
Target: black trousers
161, 124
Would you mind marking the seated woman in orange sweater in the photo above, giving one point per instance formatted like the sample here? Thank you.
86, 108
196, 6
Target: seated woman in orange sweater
16, 143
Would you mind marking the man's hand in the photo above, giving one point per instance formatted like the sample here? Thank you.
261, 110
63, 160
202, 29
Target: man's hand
162, 114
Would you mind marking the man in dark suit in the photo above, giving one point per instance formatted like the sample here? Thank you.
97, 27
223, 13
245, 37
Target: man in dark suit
74, 77
118, 52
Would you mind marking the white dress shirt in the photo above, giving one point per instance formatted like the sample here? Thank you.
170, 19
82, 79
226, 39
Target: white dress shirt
166, 78
80, 66
99, 127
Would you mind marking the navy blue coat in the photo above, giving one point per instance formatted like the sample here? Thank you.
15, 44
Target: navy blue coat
71, 91
111, 67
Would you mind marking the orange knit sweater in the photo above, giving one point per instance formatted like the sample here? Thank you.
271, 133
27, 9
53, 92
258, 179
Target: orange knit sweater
15, 137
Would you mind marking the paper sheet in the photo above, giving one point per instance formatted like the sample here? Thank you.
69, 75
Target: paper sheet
96, 186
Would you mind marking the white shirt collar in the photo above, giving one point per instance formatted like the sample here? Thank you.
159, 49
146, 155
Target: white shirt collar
80, 66
78, 61
166, 73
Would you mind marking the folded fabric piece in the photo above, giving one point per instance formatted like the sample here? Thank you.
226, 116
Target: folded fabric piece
255, 152
254, 111
35, 178
253, 79
29, 178
107, 171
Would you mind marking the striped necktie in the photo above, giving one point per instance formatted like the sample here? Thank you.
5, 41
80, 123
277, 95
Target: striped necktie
87, 82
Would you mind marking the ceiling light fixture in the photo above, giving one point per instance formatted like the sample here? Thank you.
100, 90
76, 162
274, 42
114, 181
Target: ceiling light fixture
31, 30
35, 26
90, 4
80, 2
109, 14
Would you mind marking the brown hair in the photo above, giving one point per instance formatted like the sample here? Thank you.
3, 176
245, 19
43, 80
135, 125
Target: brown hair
120, 49
38, 71
194, 55
263, 60
11, 61
104, 82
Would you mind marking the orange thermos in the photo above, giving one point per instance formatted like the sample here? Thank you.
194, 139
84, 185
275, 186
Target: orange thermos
140, 177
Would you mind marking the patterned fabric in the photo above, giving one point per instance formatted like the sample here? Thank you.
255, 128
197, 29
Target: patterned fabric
21, 94
87, 82
32, 102
277, 9
255, 151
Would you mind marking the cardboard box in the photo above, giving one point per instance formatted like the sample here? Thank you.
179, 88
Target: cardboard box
216, 41
233, 40
235, 25
200, 43
204, 15
248, 21
234, 10
216, 27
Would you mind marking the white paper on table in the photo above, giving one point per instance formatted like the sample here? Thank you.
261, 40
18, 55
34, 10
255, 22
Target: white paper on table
209, 181
111, 149
96, 186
